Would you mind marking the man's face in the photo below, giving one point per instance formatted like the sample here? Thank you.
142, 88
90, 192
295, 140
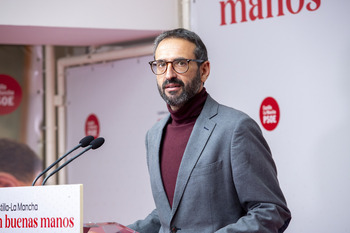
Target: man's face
176, 89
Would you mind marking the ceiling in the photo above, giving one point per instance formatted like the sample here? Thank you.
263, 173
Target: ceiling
59, 36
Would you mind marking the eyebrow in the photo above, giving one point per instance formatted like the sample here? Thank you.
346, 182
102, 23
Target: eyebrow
178, 58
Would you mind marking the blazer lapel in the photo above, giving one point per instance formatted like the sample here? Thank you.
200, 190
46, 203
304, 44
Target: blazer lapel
200, 135
154, 163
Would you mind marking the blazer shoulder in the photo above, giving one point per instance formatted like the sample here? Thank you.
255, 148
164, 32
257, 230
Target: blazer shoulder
228, 117
213, 109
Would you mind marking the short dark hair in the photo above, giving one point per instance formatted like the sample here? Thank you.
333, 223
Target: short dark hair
200, 51
19, 160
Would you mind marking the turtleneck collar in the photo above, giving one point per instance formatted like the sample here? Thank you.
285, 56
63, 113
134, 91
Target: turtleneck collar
190, 111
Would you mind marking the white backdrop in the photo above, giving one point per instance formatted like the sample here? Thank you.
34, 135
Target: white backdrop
123, 96
303, 61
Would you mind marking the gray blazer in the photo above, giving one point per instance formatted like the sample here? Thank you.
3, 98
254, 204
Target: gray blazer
227, 180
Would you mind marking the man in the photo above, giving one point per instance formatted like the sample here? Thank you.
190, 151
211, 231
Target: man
210, 168
19, 165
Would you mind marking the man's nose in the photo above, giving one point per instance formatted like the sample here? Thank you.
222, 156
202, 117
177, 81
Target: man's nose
170, 72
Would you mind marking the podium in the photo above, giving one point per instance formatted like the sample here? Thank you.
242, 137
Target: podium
48, 209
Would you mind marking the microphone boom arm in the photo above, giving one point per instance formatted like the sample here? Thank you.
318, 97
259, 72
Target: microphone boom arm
49, 167
65, 164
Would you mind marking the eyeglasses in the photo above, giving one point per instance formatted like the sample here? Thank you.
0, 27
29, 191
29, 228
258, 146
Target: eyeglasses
180, 66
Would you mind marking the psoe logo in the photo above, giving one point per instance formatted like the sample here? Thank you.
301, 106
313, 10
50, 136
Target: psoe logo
269, 113
261, 9
10, 94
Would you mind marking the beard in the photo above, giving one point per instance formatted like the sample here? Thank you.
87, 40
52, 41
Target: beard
188, 91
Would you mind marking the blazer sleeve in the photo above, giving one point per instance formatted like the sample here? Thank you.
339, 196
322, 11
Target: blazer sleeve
255, 177
150, 224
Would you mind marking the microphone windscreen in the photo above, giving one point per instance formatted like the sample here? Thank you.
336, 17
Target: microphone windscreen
86, 141
97, 143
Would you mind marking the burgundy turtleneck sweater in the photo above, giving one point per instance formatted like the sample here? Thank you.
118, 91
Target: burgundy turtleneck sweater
175, 139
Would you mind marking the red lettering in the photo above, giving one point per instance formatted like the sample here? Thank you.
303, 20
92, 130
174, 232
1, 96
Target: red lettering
280, 8
13, 223
233, 11
25, 222
71, 221
57, 222
10, 222
18, 222
35, 223
290, 8
269, 9
317, 2
30, 223
65, 222
45, 222
53, 222
258, 5
257, 8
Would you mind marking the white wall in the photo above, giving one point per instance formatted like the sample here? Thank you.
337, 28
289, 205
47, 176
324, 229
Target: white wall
303, 61
105, 14
124, 97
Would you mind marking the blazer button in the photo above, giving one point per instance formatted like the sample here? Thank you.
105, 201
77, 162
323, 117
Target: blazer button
174, 229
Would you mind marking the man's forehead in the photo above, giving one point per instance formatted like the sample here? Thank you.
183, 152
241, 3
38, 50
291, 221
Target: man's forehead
175, 48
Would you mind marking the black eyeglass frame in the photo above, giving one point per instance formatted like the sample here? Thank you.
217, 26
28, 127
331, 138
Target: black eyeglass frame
172, 64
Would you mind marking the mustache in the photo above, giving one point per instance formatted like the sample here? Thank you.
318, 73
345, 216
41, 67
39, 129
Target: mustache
172, 81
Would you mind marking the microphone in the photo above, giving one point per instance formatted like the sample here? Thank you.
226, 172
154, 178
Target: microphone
96, 143
84, 142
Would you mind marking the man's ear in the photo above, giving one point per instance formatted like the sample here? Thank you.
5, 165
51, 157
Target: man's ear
205, 71
8, 180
